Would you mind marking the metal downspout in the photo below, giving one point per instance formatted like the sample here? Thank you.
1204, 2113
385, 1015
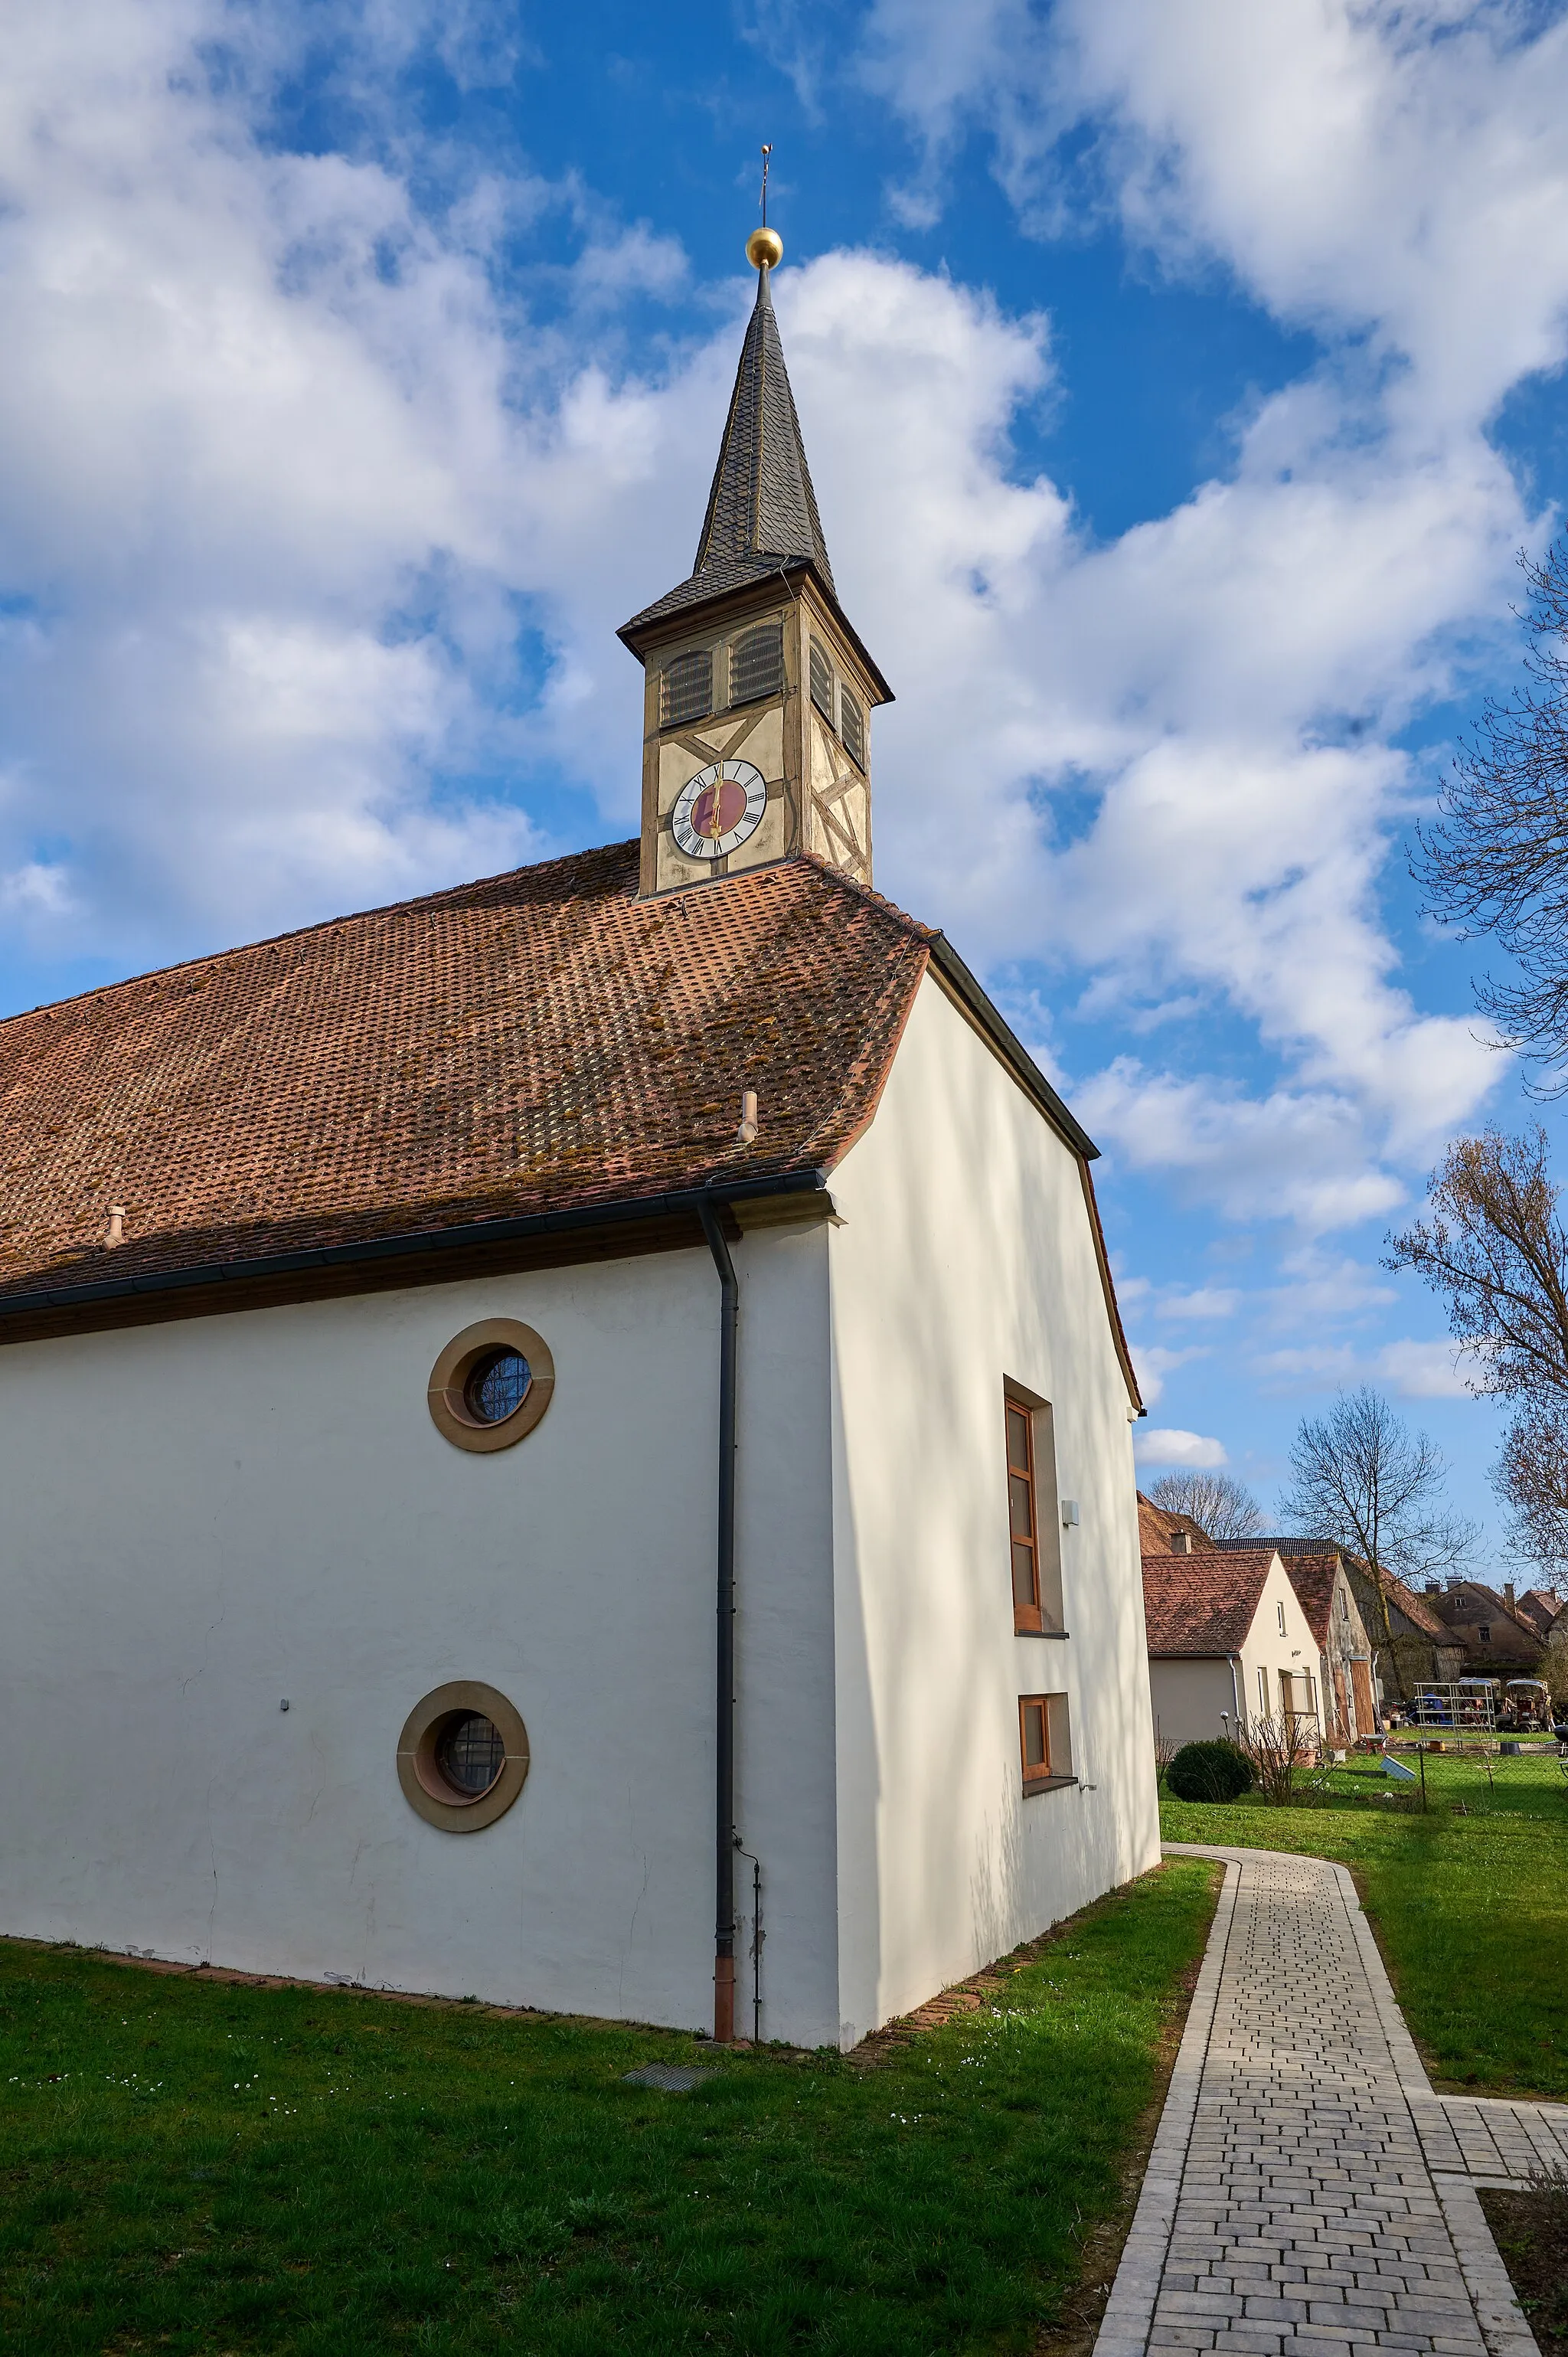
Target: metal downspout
724, 1860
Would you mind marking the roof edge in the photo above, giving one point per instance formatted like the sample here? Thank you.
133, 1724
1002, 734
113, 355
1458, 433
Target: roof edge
584, 1219
646, 628
1009, 1046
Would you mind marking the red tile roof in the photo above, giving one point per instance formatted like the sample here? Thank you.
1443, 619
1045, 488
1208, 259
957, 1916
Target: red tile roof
1540, 1608
540, 1040
1203, 1603
1156, 1526
1312, 1577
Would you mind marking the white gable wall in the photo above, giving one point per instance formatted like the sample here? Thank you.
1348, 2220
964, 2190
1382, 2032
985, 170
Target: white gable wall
1266, 1647
205, 1517
966, 1258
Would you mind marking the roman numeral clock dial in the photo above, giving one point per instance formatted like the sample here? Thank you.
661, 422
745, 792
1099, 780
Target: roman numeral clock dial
719, 808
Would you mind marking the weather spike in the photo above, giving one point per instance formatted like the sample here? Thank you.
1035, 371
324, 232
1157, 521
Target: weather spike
765, 247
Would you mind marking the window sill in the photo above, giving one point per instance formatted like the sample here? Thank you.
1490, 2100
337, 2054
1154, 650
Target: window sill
1041, 1632
1033, 1784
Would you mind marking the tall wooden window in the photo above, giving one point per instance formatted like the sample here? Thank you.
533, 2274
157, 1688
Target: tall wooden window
1045, 1739
1033, 1535
1022, 1518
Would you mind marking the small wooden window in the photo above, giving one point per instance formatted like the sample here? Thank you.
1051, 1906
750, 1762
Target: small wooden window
821, 684
1281, 1610
1262, 1693
1022, 1518
687, 688
1033, 1535
852, 726
1045, 1740
756, 663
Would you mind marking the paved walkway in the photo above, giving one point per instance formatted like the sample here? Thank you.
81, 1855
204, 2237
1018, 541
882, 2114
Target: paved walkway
1308, 2194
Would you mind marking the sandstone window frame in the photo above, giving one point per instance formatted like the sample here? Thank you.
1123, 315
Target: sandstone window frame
427, 1792
446, 1392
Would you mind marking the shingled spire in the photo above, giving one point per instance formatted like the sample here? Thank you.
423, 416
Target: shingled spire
756, 709
762, 512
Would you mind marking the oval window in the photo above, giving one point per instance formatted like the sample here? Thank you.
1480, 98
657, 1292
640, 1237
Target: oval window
498, 1384
469, 1753
462, 1757
491, 1384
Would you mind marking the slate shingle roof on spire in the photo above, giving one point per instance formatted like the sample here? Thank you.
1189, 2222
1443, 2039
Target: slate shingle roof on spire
762, 512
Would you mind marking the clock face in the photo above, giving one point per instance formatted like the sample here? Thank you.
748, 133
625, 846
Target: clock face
718, 809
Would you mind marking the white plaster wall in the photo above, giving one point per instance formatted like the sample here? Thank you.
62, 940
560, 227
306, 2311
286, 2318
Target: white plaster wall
966, 1257
205, 1517
1188, 1698
1295, 1651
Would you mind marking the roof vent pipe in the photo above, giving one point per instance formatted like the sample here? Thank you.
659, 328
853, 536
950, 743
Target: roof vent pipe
115, 1233
745, 1134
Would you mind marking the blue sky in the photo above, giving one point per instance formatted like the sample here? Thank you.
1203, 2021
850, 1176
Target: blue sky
1180, 379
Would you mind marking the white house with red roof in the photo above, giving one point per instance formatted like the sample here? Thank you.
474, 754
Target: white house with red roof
1228, 1641
569, 1440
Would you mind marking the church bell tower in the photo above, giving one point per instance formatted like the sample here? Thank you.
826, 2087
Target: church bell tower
756, 713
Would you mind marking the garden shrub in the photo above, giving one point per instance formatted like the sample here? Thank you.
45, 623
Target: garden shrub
1209, 1771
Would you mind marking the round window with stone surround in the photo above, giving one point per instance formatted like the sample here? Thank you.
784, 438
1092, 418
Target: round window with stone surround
462, 1757
492, 1385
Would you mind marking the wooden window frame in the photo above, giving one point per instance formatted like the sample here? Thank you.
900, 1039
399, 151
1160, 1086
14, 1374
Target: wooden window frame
1040, 1614
1056, 1731
1028, 1613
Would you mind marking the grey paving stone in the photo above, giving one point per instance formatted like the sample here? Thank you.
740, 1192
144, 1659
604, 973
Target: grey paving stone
1290, 2204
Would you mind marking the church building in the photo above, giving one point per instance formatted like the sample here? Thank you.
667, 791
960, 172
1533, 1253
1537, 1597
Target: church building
569, 1440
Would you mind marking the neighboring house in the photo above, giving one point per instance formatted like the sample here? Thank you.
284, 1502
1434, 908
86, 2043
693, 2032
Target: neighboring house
1487, 1622
1540, 1609
1423, 1647
1161, 1532
415, 1325
1345, 1672
1345, 1652
1228, 1641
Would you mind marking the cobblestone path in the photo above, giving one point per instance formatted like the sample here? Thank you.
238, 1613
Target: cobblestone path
1308, 2194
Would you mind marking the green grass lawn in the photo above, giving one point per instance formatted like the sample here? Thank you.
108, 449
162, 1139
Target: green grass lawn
1471, 1912
190, 2165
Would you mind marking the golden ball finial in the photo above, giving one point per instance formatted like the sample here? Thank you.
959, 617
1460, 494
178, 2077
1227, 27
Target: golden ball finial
765, 249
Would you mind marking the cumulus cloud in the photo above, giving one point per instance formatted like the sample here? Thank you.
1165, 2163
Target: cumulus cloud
1387, 177
1174, 1447
316, 524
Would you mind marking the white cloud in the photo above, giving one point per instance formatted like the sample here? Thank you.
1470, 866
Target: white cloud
1154, 1362
1230, 675
1173, 1447
288, 463
1433, 1370
1200, 1302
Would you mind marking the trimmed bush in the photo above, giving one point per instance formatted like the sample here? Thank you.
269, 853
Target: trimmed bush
1209, 1771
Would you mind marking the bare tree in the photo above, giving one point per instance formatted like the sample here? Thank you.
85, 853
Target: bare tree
1362, 1480
1497, 862
1218, 1503
1494, 1245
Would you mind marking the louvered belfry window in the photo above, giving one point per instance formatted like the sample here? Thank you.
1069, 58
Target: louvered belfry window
687, 688
852, 726
756, 663
821, 684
